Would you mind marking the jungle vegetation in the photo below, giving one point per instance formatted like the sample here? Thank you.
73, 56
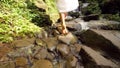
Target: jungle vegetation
22, 18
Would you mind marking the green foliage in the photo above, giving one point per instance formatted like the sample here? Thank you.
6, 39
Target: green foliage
108, 9
15, 19
93, 8
115, 17
52, 10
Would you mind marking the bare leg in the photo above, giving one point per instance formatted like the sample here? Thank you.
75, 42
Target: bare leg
62, 18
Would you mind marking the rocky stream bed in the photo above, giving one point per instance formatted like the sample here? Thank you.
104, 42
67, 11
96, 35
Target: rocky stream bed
96, 44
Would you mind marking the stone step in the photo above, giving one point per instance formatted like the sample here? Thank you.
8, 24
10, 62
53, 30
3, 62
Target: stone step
92, 59
106, 42
104, 24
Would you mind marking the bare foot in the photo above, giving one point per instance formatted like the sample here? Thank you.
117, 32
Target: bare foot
64, 31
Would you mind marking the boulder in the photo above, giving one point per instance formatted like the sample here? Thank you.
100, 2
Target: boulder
41, 54
23, 43
106, 42
63, 49
21, 61
40, 42
91, 59
51, 43
68, 39
104, 24
9, 64
42, 64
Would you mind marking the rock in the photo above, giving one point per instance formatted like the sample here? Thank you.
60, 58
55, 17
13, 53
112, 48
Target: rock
71, 61
1, 44
31, 40
78, 47
3, 52
50, 56
79, 66
112, 36
73, 26
21, 61
105, 41
60, 64
42, 34
59, 27
36, 50
63, 49
67, 65
40, 42
56, 32
77, 25
9, 64
91, 17
68, 39
94, 59
24, 51
23, 43
42, 64
104, 24
51, 43
42, 54
4, 58
75, 49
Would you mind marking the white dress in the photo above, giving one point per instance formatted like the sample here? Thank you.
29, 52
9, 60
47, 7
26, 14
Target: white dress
66, 5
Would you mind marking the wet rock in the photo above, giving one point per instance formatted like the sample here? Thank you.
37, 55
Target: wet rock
71, 61
31, 40
91, 58
59, 27
3, 52
91, 17
50, 56
75, 49
23, 43
57, 65
36, 50
4, 58
67, 65
42, 64
42, 34
21, 61
68, 39
27, 66
77, 25
42, 54
25, 51
63, 49
51, 43
56, 32
40, 42
105, 41
4, 44
60, 64
7, 65
78, 65
104, 24
73, 26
